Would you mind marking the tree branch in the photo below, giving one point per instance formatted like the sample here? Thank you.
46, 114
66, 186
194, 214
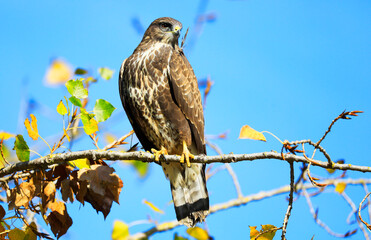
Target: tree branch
166, 226
291, 197
44, 162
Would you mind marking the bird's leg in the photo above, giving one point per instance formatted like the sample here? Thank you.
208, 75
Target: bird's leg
186, 155
158, 153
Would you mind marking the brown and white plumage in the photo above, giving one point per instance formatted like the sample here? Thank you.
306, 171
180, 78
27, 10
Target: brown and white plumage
160, 95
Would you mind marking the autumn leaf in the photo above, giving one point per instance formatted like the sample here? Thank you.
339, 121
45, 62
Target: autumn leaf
21, 195
58, 72
2, 212
21, 149
266, 233
250, 133
103, 187
120, 231
340, 187
76, 88
103, 110
48, 195
105, 73
6, 136
32, 127
61, 108
198, 233
59, 219
66, 190
153, 207
90, 124
75, 101
101, 179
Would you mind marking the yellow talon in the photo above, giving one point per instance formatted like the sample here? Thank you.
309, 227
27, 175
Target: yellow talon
186, 155
158, 153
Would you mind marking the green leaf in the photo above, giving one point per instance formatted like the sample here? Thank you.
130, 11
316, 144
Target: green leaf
105, 73
90, 124
120, 231
6, 154
21, 149
76, 88
80, 71
140, 167
30, 235
16, 234
61, 109
103, 110
75, 101
177, 237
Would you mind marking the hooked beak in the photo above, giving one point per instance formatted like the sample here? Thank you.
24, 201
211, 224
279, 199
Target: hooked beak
177, 30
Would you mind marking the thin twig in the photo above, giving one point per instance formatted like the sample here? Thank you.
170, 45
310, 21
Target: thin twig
229, 169
318, 221
359, 212
354, 209
118, 141
291, 197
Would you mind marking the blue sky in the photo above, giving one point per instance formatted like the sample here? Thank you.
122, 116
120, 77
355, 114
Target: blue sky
288, 67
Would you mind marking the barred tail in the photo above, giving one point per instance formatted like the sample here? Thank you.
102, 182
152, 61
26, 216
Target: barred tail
188, 187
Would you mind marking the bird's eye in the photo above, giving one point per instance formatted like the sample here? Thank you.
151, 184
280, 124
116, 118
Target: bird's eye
165, 26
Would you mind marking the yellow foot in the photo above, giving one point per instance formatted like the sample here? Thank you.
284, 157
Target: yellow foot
158, 153
186, 155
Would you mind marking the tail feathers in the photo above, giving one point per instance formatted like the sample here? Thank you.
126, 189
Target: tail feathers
191, 200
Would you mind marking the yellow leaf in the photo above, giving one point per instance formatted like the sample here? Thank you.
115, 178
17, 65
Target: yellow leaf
120, 231
80, 163
109, 138
6, 136
61, 109
248, 132
32, 127
264, 233
154, 208
58, 72
253, 232
90, 124
198, 233
340, 187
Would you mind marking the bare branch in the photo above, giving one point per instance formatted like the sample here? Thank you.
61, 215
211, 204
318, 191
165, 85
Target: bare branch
291, 197
242, 201
359, 212
319, 222
354, 209
44, 162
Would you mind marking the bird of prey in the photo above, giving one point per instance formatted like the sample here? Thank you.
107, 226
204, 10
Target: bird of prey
160, 95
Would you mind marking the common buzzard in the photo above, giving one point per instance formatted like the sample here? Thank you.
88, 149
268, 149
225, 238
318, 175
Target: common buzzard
160, 95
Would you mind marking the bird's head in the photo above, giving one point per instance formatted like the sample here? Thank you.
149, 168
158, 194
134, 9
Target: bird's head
166, 30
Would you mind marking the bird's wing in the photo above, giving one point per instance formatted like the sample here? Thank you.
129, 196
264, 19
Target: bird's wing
184, 88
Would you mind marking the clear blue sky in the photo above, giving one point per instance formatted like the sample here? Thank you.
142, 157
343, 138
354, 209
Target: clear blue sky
288, 67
